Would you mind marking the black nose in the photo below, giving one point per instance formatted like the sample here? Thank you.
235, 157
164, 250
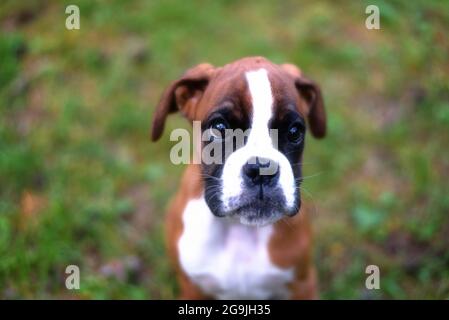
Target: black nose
261, 171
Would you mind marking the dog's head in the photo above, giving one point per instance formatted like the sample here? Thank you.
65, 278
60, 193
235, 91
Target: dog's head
253, 117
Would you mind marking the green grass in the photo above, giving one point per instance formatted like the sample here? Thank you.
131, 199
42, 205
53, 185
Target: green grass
80, 182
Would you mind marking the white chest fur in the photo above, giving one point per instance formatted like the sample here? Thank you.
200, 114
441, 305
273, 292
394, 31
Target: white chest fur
228, 260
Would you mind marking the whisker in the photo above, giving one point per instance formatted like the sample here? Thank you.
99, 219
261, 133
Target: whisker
309, 194
313, 175
285, 220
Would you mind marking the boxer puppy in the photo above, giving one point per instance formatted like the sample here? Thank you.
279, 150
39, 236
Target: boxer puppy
235, 229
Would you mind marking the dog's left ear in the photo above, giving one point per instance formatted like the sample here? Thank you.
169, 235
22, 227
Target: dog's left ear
311, 93
182, 95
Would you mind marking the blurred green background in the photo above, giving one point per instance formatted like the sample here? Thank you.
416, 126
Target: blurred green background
80, 182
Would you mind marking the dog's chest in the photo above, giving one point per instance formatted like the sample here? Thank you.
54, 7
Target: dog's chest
228, 260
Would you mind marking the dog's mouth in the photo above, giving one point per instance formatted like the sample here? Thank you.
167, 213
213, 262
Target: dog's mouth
251, 210
257, 213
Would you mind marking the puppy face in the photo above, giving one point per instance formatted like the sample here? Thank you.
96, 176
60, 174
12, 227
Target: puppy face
254, 112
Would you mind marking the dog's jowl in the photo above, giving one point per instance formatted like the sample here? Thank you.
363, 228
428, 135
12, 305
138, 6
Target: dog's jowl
237, 227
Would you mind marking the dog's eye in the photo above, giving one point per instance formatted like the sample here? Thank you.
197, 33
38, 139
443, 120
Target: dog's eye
295, 133
218, 128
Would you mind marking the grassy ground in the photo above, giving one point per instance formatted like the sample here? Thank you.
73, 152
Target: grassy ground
80, 182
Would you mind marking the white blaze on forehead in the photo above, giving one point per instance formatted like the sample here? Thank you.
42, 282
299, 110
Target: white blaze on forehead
262, 101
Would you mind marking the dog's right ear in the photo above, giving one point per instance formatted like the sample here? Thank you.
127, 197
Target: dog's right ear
183, 95
311, 93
